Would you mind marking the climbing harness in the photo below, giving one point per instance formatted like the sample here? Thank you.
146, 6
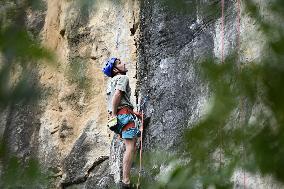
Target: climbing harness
124, 120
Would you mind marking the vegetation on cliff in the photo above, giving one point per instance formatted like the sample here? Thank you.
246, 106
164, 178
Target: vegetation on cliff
244, 128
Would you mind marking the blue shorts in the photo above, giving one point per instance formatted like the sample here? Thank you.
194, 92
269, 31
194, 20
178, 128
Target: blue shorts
130, 133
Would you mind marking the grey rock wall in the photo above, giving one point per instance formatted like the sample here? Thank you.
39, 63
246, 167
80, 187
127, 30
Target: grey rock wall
171, 46
170, 49
89, 151
66, 130
21, 131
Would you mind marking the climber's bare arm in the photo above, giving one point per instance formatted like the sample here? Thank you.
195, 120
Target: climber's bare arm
115, 101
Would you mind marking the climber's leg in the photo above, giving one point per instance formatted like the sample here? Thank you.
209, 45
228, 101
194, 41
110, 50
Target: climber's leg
127, 159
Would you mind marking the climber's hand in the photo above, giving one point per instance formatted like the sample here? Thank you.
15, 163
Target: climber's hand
139, 115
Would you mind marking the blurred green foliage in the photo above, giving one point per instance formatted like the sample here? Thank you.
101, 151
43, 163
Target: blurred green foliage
20, 55
17, 175
244, 128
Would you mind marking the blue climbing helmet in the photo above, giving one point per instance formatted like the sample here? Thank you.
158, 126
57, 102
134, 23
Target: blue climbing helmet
107, 69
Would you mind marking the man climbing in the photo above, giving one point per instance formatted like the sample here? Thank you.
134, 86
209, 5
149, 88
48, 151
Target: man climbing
122, 116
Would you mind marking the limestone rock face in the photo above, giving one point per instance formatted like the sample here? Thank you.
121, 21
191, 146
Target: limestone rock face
89, 151
66, 130
87, 35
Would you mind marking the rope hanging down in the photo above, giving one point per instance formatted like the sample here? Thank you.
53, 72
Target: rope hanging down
223, 30
239, 27
142, 107
222, 59
140, 154
238, 53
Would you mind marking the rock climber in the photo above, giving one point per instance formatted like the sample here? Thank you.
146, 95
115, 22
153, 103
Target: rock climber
121, 113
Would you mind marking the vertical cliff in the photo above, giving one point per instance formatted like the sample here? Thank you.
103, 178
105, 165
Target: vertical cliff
171, 46
174, 40
84, 37
66, 130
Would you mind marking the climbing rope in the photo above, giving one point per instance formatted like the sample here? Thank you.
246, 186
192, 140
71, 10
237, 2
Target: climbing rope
238, 53
142, 107
239, 26
222, 61
223, 30
141, 149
